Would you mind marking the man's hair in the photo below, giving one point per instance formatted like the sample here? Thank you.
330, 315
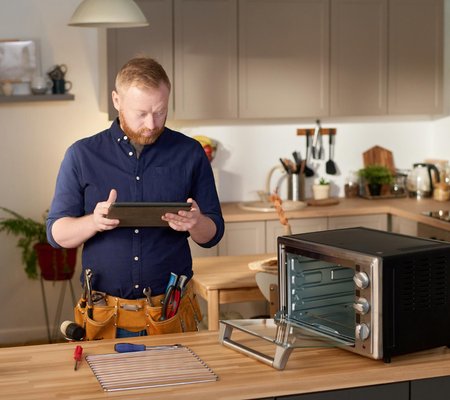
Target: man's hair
142, 72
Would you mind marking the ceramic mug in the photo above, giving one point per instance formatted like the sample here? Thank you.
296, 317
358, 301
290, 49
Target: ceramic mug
61, 86
40, 85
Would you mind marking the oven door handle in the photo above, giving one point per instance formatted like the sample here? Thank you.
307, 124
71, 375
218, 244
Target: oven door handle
279, 361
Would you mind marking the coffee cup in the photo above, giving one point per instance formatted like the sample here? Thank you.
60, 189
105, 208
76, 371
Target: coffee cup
40, 85
61, 86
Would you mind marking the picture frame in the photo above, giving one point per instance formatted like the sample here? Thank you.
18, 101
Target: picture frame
19, 60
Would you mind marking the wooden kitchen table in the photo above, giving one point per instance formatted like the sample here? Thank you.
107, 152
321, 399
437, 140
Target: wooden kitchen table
225, 279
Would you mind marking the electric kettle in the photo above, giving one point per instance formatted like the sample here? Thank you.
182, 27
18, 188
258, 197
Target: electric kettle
419, 182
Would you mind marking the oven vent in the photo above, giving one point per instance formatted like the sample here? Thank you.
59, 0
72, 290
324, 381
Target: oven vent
422, 282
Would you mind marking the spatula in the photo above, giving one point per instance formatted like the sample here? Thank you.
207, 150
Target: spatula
330, 166
308, 171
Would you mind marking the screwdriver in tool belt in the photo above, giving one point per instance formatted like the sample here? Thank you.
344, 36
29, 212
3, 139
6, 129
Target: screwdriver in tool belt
130, 347
77, 356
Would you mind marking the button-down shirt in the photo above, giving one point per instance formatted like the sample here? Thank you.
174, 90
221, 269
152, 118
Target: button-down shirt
174, 168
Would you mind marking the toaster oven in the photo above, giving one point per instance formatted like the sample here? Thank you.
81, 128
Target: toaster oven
375, 293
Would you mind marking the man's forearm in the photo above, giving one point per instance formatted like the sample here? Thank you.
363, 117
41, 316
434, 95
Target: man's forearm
204, 231
71, 232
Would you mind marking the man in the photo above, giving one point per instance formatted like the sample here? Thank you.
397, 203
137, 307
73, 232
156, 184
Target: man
137, 159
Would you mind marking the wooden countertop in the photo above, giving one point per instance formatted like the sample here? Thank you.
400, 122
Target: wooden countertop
46, 371
403, 207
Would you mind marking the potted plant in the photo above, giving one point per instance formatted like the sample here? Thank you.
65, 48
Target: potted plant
55, 264
321, 189
376, 176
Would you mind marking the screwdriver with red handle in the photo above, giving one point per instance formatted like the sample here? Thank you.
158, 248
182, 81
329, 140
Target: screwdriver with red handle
77, 356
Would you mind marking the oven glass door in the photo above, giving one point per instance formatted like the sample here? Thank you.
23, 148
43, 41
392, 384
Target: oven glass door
320, 296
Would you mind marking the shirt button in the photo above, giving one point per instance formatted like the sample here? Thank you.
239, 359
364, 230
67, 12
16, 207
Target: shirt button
136, 258
136, 231
130, 153
136, 286
125, 137
118, 139
137, 178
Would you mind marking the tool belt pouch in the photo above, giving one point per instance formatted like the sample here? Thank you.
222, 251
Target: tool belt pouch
185, 320
101, 326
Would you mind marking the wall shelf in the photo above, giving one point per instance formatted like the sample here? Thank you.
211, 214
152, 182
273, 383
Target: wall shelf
36, 97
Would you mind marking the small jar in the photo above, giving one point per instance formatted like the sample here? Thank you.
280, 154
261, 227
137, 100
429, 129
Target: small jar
441, 192
351, 187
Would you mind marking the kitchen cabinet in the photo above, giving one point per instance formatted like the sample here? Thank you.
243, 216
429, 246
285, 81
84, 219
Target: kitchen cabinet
243, 238
241, 59
205, 59
403, 226
283, 58
430, 232
275, 229
415, 56
198, 251
358, 82
154, 40
375, 221
397, 391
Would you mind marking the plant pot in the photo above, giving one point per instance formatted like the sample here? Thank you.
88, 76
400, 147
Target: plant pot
55, 264
321, 192
374, 189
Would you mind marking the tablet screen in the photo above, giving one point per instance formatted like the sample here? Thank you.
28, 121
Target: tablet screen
144, 214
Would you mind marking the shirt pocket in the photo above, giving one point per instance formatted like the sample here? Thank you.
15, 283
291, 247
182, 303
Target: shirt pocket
165, 184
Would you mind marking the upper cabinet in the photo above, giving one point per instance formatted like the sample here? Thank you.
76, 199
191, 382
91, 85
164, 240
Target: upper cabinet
283, 58
205, 59
358, 57
154, 40
230, 59
415, 56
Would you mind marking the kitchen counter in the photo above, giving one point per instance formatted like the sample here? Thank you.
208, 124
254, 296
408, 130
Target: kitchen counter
402, 207
47, 371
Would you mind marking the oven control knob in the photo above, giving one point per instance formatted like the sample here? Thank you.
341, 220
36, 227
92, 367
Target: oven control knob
361, 280
362, 331
361, 305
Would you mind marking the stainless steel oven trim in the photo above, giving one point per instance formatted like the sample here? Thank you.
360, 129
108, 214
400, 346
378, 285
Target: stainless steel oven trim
350, 259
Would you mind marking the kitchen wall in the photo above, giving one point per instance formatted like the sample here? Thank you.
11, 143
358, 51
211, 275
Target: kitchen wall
34, 137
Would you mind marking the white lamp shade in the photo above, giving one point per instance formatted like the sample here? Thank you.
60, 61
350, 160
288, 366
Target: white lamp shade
108, 14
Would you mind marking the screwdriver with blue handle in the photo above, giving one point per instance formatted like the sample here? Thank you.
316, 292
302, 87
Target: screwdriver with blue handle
130, 347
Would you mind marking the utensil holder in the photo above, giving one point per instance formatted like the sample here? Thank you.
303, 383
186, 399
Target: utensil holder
296, 187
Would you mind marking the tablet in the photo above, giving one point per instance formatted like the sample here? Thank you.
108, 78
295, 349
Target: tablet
144, 214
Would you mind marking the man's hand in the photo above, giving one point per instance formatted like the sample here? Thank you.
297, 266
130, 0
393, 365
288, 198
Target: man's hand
201, 228
71, 232
102, 223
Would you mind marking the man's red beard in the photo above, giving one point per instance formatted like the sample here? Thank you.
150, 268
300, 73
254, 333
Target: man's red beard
137, 136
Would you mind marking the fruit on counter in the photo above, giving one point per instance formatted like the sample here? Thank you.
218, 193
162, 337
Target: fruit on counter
208, 144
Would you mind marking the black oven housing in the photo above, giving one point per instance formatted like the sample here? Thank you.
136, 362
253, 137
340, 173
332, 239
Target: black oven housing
414, 287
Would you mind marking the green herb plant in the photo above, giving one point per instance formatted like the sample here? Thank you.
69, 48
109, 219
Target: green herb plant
29, 233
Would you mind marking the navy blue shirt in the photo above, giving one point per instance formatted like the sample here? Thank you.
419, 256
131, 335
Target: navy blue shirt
174, 168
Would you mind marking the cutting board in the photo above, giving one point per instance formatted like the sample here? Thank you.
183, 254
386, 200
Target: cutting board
323, 202
379, 156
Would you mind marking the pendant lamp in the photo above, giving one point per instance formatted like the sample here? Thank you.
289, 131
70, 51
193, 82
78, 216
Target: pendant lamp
108, 14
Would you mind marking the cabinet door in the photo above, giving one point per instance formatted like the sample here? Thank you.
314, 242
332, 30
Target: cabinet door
433, 388
403, 226
415, 56
198, 251
205, 59
358, 57
243, 238
154, 41
275, 229
283, 58
377, 221
430, 232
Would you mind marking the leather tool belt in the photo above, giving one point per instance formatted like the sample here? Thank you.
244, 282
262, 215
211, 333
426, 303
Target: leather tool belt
108, 313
